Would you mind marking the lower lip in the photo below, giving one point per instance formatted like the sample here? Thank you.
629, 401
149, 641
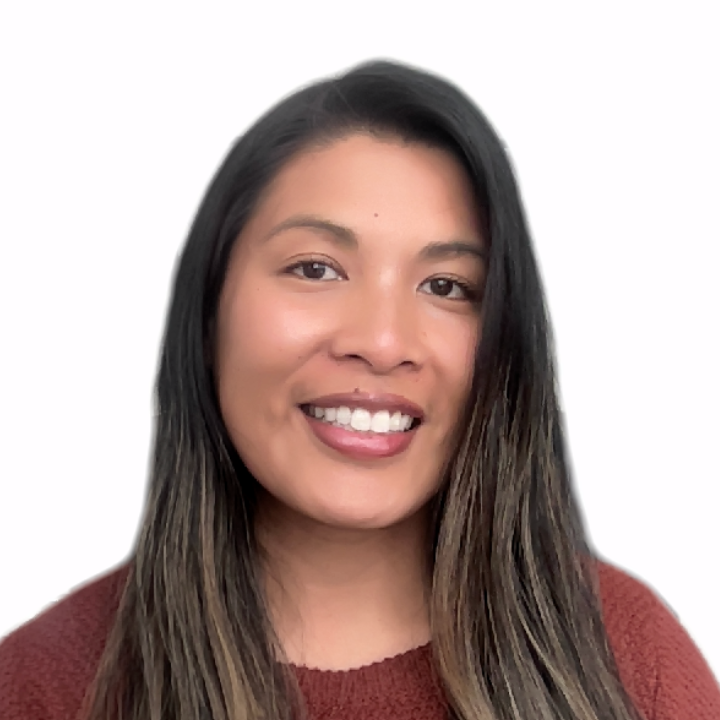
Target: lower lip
361, 445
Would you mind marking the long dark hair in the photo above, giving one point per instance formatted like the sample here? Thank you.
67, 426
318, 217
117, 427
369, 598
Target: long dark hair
517, 631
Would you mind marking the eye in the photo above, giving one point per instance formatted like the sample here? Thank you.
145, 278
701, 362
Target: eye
314, 270
449, 288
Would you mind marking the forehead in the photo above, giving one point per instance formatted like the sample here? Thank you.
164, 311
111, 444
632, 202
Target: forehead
410, 183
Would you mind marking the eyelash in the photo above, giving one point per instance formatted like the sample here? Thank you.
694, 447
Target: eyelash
313, 261
470, 292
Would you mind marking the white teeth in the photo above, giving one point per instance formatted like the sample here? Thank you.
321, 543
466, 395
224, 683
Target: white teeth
380, 422
362, 420
343, 415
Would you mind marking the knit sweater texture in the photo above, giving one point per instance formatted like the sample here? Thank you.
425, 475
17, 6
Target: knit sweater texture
47, 664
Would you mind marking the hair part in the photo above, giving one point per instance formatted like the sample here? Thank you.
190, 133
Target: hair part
517, 630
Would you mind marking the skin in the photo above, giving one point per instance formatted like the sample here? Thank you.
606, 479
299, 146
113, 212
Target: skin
347, 576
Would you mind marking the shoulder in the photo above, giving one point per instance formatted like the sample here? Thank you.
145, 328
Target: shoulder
47, 663
658, 662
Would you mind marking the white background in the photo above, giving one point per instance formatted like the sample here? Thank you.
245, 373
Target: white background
113, 121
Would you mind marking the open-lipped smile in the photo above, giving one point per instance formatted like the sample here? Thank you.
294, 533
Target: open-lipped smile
362, 425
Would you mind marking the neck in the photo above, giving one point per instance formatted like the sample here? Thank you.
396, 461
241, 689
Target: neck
343, 597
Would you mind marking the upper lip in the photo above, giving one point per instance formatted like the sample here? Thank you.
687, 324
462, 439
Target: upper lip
370, 401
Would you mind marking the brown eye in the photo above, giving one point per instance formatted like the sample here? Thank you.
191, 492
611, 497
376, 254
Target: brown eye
441, 286
447, 288
314, 270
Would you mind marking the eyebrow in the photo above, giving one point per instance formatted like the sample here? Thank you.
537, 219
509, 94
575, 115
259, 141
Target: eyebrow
345, 236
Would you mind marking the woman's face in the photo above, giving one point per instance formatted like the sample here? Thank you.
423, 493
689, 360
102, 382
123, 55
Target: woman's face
347, 328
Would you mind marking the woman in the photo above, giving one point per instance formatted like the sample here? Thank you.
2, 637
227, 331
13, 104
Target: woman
360, 503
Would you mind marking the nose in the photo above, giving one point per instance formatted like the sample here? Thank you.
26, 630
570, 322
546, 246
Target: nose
380, 329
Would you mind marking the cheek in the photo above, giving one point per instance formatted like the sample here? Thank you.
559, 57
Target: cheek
456, 357
262, 341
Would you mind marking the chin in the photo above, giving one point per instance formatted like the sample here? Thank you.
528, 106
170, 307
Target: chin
350, 520
362, 514
351, 501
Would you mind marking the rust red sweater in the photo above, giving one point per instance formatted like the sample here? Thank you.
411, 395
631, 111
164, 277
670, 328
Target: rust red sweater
47, 664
